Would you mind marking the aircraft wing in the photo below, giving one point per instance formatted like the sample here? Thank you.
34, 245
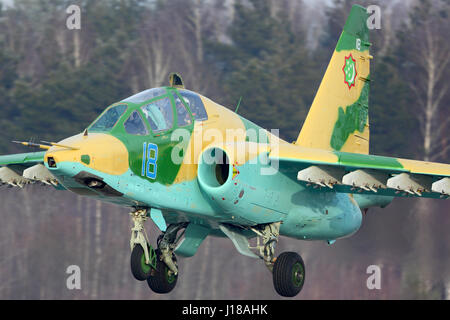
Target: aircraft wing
364, 174
18, 170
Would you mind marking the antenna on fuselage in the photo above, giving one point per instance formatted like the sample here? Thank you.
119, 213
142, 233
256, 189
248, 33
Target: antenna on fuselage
239, 103
176, 81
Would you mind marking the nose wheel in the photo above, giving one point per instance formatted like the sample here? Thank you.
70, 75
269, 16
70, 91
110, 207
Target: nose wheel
162, 279
139, 268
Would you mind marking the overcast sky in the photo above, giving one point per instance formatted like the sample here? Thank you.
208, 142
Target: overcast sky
6, 2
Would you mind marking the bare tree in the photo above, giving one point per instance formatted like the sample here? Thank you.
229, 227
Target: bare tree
154, 59
427, 63
429, 52
98, 250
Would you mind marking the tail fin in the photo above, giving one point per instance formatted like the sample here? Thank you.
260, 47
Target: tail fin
338, 118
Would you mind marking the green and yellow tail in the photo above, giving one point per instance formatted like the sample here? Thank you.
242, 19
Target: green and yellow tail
338, 118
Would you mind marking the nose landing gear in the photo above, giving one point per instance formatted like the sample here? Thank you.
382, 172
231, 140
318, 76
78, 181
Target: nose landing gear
143, 256
162, 279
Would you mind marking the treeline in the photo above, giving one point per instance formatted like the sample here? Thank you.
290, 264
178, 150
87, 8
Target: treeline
54, 81
272, 53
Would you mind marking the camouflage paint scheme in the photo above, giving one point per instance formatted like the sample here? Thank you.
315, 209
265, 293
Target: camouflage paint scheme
335, 133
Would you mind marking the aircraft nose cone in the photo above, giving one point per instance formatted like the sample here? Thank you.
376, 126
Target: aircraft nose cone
101, 152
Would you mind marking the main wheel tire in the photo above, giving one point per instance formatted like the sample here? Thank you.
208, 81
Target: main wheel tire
161, 280
140, 270
288, 274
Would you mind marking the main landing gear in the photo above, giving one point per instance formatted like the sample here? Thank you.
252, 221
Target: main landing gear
288, 269
159, 267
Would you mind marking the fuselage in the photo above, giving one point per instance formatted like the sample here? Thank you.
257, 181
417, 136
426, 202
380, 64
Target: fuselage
146, 152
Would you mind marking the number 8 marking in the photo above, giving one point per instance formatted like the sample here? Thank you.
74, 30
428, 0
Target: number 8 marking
148, 160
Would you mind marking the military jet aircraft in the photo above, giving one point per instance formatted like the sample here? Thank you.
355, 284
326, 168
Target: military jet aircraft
197, 169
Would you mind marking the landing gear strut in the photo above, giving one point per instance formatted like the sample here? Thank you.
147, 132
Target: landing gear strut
269, 238
288, 270
159, 267
164, 278
167, 243
143, 257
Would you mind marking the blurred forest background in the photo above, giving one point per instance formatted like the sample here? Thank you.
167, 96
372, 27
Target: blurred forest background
273, 53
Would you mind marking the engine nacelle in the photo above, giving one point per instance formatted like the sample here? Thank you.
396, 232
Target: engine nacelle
225, 174
215, 175
237, 184
214, 169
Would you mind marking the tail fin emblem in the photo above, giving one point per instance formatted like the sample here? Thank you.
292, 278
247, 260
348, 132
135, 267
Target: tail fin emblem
350, 72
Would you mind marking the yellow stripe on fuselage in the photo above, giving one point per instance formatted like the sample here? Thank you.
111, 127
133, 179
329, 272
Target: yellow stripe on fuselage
222, 126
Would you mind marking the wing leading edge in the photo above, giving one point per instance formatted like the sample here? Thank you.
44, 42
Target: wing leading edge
363, 174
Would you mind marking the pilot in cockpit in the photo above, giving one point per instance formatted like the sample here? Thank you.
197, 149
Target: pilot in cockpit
182, 113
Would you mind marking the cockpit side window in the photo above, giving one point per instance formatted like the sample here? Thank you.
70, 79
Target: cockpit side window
146, 95
183, 116
195, 103
108, 119
159, 114
135, 125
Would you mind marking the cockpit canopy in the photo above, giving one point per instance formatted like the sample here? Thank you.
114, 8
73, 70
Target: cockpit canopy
146, 95
154, 111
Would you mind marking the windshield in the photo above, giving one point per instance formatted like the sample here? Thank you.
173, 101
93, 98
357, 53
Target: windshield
109, 118
146, 95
